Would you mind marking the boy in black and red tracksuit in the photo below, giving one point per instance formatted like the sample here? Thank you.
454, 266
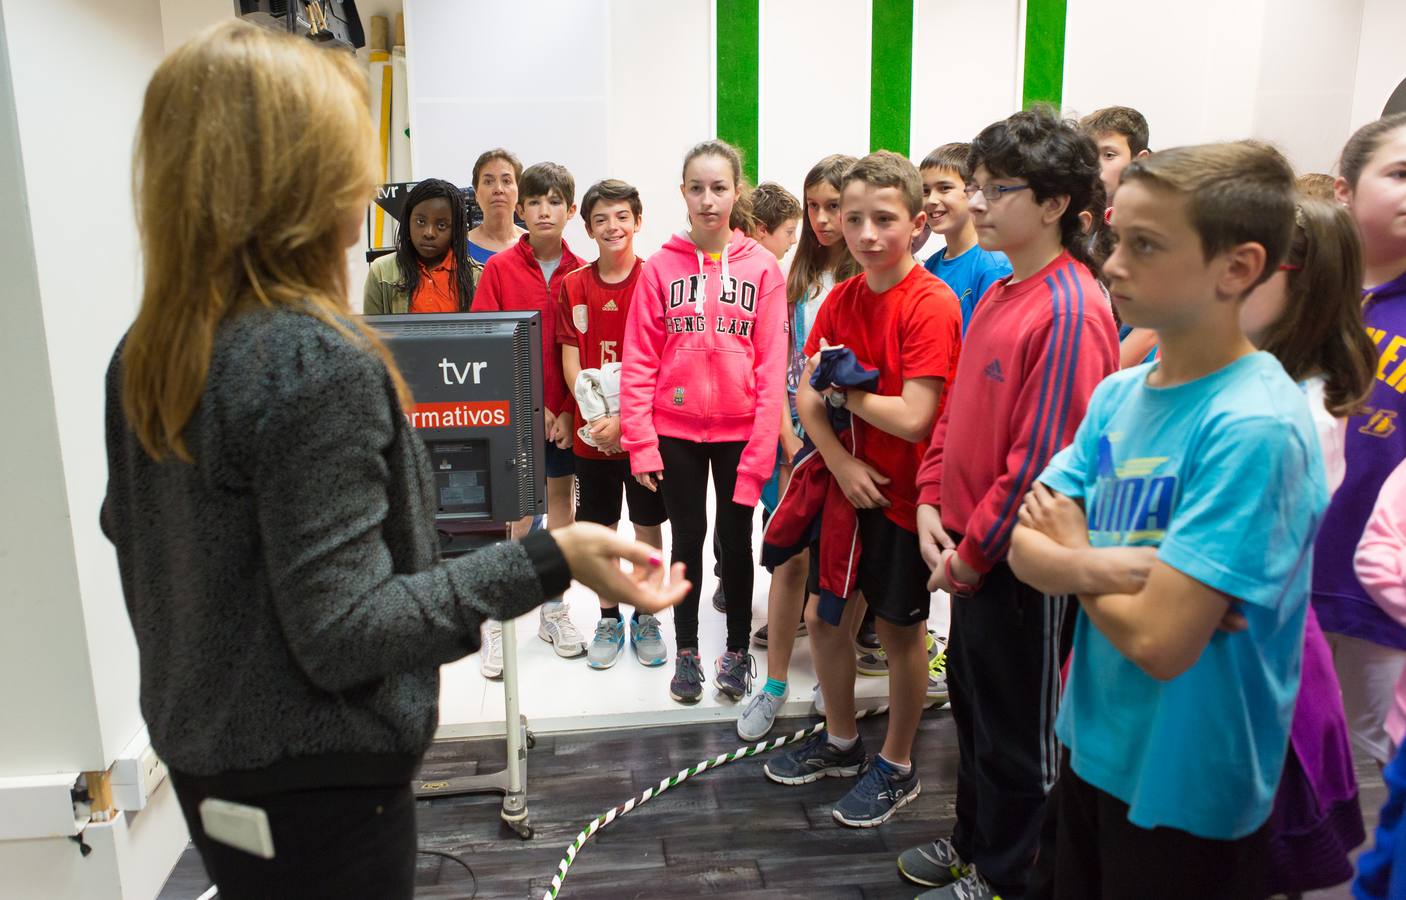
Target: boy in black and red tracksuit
527, 276
1038, 343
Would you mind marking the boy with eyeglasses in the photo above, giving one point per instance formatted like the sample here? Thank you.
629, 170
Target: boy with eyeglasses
1038, 343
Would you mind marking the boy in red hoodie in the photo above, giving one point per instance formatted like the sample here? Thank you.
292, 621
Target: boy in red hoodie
527, 277
1038, 343
701, 387
897, 318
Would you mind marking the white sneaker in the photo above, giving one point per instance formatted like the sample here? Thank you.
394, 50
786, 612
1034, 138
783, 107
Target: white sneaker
556, 629
491, 652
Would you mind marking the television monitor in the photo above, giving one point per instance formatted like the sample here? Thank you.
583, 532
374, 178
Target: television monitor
476, 379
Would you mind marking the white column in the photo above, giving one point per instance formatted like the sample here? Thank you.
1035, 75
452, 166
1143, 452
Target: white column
74, 73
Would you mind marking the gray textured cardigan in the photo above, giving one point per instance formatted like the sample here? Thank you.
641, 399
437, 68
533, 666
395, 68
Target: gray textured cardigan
285, 590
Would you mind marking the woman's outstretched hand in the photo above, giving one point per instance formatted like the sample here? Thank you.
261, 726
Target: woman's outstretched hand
594, 553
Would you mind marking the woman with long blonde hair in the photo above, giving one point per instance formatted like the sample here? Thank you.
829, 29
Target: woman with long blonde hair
270, 505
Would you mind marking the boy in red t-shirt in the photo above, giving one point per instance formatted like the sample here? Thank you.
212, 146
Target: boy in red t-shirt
591, 310
899, 319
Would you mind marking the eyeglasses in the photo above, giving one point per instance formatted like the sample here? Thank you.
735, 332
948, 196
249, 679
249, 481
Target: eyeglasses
993, 192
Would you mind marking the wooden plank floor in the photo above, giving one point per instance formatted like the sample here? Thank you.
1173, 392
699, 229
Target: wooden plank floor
728, 831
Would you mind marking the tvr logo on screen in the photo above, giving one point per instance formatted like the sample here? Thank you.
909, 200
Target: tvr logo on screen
454, 375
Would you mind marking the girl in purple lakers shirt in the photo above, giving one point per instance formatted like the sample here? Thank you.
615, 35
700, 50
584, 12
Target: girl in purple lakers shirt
1369, 648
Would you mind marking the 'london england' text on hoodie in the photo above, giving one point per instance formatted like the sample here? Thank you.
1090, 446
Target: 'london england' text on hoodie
705, 356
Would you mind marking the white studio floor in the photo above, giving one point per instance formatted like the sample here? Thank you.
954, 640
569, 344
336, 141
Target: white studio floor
567, 695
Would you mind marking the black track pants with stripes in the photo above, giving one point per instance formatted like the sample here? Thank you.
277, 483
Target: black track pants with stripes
1003, 673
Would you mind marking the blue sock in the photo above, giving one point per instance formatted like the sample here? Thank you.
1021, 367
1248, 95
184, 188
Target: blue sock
775, 688
901, 771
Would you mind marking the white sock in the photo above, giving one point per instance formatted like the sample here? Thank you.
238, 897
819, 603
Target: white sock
901, 770
841, 743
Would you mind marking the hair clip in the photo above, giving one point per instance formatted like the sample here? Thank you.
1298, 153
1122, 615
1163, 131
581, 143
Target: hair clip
1288, 267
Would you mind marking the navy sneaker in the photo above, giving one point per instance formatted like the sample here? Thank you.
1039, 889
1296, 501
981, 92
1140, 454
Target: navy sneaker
687, 683
878, 795
814, 760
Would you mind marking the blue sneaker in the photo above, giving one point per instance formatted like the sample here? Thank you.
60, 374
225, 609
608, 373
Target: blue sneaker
878, 795
814, 760
608, 643
647, 641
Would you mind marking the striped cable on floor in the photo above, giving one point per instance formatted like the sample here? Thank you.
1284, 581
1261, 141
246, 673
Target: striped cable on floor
673, 781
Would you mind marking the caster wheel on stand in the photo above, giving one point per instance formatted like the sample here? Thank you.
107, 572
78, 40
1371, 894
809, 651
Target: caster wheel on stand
531, 740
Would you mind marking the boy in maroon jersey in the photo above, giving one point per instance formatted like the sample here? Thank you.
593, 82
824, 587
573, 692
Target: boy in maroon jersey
591, 309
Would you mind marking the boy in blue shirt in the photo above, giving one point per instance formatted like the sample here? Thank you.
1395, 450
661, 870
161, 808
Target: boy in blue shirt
962, 265
1202, 482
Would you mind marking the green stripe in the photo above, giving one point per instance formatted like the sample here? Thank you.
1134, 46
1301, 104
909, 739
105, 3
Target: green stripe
891, 76
1044, 52
738, 66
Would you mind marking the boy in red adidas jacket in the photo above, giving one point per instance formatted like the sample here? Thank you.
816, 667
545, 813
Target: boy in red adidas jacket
527, 276
1039, 342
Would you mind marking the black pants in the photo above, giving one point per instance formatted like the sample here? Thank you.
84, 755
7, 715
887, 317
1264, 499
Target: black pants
334, 842
1003, 674
686, 465
1099, 855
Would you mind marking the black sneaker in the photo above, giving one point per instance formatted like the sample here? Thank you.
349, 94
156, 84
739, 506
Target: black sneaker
814, 760
867, 641
760, 637
735, 673
687, 683
720, 600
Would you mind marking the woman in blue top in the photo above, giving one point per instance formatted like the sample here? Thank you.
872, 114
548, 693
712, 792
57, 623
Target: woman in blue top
496, 174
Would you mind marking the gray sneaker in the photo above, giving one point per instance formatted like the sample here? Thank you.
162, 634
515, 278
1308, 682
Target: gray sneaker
647, 641
932, 865
971, 886
607, 644
687, 684
759, 716
735, 673
937, 679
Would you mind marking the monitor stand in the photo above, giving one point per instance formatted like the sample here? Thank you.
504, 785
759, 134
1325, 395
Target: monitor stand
511, 781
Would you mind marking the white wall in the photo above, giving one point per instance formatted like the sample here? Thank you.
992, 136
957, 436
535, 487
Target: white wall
1381, 65
814, 97
1308, 67
1192, 71
608, 89
48, 709
964, 76
541, 79
76, 148
660, 104
1301, 74
74, 75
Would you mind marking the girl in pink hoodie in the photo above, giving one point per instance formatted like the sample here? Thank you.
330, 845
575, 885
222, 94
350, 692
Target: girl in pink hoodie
1381, 568
701, 388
